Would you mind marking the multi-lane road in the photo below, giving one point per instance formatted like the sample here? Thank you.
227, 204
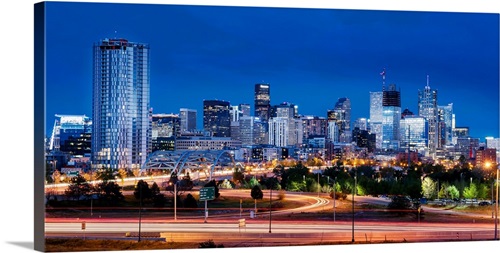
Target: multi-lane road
227, 228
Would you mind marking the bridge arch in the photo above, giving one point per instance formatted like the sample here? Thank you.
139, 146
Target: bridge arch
179, 162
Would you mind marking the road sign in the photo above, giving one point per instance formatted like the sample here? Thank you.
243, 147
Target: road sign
207, 193
83, 225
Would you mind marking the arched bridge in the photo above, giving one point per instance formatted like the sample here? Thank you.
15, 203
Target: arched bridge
178, 162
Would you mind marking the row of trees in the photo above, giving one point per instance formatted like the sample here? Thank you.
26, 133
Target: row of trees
430, 181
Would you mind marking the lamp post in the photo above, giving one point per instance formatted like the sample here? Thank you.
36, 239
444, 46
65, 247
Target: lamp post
318, 185
140, 210
334, 197
353, 192
175, 200
496, 206
270, 203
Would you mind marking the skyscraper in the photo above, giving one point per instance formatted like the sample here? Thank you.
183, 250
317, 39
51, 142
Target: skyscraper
244, 109
342, 112
285, 128
121, 111
217, 118
427, 108
72, 134
445, 118
414, 131
165, 125
262, 101
391, 115
376, 117
188, 119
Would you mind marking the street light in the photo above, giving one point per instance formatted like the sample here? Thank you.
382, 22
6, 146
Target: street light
353, 192
318, 185
334, 197
175, 200
496, 206
140, 211
270, 202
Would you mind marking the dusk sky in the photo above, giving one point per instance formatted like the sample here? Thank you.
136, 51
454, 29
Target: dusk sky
310, 57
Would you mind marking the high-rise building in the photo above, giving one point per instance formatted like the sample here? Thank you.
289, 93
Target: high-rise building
391, 115
314, 126
262, 101
72, 135
361, 123
244, 109
376, 117
342, 112
427, 108
284, 109
217, 118
445, 125
414, 131
188, 119
234, 111
285, 128
252, 131
284, 131
121, 129
165, 125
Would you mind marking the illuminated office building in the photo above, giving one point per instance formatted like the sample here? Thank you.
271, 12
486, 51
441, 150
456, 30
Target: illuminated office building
427, 108
71, 134
217, 118
262, 101
188, 119
376, 117
414, 131
391, 115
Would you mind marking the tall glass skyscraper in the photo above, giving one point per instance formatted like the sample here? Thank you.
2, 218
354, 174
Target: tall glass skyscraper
427, 108
71, 134
217, 118
414, 131
188, 119
391, 115
376, 117
445, 116
121, 129
262, 101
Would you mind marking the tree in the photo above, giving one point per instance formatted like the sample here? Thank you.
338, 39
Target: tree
78, 187
56, 176
190, 202
471, 192
453, 192
144, 187
213, 184
109, 192
122, 174
136, 172
155, 190
256, 194
429, 188
400, 204
238, 177
210, 244
105, 174
226, 184
253, 182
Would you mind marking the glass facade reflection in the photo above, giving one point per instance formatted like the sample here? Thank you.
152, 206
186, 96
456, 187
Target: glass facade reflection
121, 110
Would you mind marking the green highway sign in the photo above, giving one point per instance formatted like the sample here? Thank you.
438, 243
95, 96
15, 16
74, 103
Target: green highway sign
207, 193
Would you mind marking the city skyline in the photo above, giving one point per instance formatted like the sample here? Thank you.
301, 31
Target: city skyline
205, 57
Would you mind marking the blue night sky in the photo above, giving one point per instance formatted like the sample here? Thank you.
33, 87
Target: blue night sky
310, 57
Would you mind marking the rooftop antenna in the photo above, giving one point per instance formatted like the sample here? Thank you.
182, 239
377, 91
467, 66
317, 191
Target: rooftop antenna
383, 78
427, 82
